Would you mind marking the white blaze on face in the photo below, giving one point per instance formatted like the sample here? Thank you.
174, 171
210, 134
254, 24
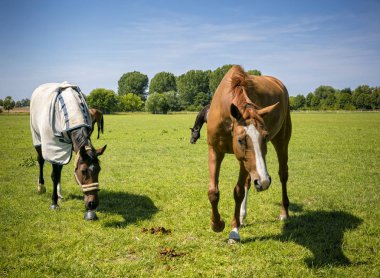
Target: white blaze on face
261, 169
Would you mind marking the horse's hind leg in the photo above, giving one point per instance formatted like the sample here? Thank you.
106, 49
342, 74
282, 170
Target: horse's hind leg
98, 130
56, 178
280, 144
214, 162
41, 182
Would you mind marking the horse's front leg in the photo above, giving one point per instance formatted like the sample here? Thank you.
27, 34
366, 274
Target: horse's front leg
243, 208
214, 162
41, 182
56, 178
239, 196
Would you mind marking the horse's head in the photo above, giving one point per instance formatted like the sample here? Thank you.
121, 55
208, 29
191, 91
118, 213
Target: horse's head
86, 172
195, 134
250, 138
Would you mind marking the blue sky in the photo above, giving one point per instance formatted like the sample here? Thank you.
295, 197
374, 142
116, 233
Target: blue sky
92, 43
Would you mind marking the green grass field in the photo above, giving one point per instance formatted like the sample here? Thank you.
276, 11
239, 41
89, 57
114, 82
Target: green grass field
153, 177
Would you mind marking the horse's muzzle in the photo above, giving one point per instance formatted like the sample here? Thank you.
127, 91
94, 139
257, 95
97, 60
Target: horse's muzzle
262, 185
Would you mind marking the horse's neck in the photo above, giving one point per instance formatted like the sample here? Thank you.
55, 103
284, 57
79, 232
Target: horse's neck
80, 137
201, 119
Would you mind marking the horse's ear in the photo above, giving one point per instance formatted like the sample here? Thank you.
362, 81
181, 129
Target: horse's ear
101, 151
235, 112
267, 110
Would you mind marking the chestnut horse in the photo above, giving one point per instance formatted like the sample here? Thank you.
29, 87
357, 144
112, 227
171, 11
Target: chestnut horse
199, 121
245, 113
60, 122
96, 117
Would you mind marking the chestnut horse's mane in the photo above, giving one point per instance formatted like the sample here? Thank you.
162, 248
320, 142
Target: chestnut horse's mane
241, 83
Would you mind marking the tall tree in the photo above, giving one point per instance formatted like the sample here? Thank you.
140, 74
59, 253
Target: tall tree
103, 99
308, 99
162, 82
9, 103
216, 76
133, 82
322, 92
157, 103
131, 102
190, 84
254, 72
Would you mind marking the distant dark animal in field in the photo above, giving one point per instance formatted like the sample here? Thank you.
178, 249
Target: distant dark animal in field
246, 112
60, 121
199, 121
97, 117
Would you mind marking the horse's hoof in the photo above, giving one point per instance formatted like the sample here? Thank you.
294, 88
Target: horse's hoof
41, 189
232, 241
283, 217
60, 196
234, 237
218, 227
90, 215
54, 207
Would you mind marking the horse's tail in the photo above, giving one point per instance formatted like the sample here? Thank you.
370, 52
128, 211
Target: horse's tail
101, 124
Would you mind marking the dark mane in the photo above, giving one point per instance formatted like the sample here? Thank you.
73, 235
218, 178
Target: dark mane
81, 137
241, 84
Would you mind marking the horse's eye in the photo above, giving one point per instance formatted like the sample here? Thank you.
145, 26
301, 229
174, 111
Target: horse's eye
241, 141
84, 173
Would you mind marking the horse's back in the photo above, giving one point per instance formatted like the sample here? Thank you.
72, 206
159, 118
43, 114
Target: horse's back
55, 109
268, 90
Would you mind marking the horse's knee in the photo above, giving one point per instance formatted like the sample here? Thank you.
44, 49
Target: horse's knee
239, 194
213, 195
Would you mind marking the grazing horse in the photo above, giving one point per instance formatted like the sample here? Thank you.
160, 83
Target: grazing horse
199, 121
245, 113
60, 121
96, 117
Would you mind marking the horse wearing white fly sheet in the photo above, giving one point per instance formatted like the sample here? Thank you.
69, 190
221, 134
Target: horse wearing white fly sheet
51, 123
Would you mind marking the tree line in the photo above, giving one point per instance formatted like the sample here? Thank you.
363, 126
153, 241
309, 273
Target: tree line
166, 92
194, 89
363, 97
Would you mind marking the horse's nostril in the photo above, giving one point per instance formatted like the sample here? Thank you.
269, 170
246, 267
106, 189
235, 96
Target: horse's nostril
256, 183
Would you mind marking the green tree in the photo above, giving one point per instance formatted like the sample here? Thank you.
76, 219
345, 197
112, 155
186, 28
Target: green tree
308, 99
173, 101
328, 102
157, 103
343, 100
1, 102
8, 103
25, 102
103, 99
162, 82
254, 72
322, 92
190, 84
361, 97
216, 76
299, 102
375, 98
202, 99
133, 82
315, 101
130, 102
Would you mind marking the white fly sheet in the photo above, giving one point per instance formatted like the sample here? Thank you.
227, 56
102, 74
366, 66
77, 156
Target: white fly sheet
55, 109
